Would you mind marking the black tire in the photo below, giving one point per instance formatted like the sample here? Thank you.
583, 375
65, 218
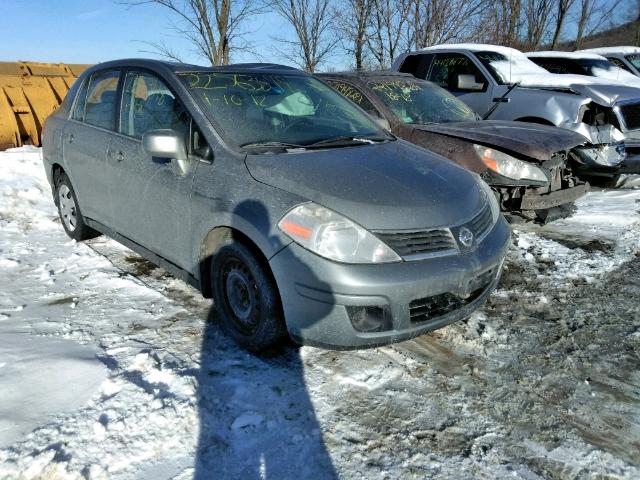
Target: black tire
69, 210
246, 298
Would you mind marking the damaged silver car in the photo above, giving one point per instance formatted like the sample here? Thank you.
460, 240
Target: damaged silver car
627, 57
503, 84
583, 63
524, 163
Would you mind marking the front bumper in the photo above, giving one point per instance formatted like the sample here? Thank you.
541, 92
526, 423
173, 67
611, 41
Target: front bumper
319, 297
534, 201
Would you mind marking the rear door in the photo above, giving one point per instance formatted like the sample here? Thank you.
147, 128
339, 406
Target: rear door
85, 141
445, 70
151, 202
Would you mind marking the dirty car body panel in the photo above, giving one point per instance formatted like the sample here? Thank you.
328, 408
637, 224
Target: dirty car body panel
459, 136
248, 131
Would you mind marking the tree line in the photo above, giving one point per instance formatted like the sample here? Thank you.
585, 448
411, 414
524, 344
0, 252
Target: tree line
371, 33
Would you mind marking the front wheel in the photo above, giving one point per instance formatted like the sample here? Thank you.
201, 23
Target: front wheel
69, 211
246, 298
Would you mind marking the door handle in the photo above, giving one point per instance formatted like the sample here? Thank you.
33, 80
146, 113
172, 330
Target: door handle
69, 137
119, 156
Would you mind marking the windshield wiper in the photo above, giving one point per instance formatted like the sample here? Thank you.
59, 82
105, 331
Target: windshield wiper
348, 140
271, 145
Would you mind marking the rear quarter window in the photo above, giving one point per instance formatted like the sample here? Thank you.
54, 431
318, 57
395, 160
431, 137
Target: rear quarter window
100, 103
81, 98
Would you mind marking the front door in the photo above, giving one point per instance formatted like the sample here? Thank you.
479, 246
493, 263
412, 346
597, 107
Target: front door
445, 71
85, 142
151, 202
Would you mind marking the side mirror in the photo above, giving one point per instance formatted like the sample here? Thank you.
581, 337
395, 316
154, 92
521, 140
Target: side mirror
167, 144
468, 82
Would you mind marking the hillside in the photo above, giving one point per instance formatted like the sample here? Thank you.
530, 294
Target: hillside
626, 34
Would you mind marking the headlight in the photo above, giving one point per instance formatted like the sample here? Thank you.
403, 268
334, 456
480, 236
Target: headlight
491, 198
333, 236
509, 167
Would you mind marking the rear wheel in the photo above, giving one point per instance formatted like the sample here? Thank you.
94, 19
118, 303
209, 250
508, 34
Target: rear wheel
246, 298
69, 211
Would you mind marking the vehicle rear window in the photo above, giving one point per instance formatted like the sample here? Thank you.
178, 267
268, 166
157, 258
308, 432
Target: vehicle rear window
263, 107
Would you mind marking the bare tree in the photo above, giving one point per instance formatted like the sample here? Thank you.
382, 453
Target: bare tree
387, 30
538, 16
563, 7
440, 21
502, 23
213, 27
312, 22
592, 16
352, 18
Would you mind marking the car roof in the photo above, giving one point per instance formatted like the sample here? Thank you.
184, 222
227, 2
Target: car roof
567, 55
177, 67
363, 74
622, 50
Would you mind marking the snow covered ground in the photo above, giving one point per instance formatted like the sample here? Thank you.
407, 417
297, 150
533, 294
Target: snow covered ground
109, 369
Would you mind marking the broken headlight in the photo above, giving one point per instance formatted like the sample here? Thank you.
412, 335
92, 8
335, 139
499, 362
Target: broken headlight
508, 166
330, 235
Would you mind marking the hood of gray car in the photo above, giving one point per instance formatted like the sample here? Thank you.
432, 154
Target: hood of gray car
391, 186
608, 95
528, 139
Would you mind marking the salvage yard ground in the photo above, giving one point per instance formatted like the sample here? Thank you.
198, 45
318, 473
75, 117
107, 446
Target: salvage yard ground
108, 368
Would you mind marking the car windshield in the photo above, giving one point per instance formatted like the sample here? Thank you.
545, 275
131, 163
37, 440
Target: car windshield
634, 60
273, 110
504, 70
420, 102
605, 69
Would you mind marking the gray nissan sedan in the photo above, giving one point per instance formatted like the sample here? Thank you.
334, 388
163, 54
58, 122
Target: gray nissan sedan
278, 198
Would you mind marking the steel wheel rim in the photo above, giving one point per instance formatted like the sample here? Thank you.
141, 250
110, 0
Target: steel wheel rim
67, 206
241, 296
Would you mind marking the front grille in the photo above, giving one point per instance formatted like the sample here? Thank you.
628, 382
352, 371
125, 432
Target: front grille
420, 242
631, 115
430, 308
481, 224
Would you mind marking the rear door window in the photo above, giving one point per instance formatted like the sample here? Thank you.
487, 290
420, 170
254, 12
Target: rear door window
99, 106
446, 67
417, 65
149, 104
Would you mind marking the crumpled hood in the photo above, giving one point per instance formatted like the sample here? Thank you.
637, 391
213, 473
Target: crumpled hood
529, 139
391, 186
602, 90
608, 94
